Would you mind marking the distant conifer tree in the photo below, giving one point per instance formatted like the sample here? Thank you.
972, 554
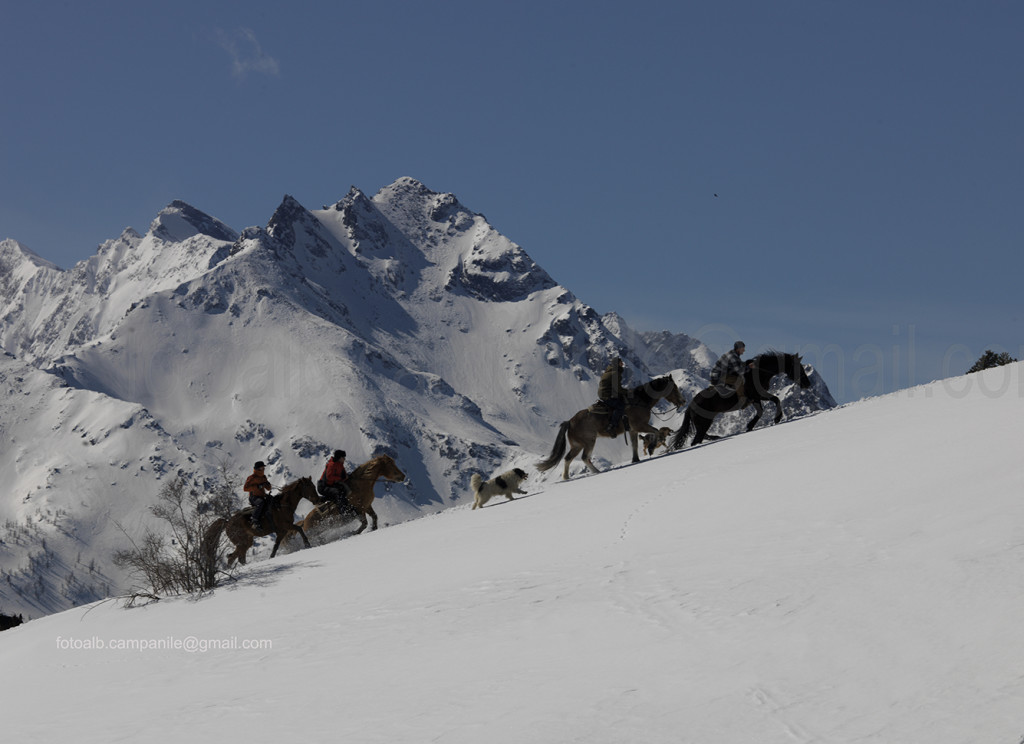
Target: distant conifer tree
990, 359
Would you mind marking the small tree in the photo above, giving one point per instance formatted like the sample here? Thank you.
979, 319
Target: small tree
223, 500
181, 561
990, 359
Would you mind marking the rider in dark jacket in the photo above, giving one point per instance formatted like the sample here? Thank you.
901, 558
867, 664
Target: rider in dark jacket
729, 369
611, 393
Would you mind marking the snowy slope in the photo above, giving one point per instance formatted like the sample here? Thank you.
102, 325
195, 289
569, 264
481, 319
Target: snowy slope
850, 576
72, 461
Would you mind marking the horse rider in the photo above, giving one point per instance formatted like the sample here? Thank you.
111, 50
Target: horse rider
335, 480
611, 394
729, 368
258, 488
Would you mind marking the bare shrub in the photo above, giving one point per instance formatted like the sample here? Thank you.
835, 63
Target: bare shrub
178, 560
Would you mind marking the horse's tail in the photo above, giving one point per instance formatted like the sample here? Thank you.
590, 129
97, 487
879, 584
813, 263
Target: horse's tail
212, 539
680, 438
557, 451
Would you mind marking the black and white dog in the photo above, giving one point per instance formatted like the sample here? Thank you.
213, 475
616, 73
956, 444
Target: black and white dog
506, 483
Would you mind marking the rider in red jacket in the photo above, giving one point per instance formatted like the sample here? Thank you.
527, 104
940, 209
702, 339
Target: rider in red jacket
335, 479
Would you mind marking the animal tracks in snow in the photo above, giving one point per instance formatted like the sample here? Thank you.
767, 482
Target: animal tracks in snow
769, 702
624, 531
643, 506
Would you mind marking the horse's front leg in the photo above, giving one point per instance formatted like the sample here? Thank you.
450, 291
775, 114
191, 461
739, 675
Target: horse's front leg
302, 534
758, 410
362, 523
636, 428
778, 407
373, 516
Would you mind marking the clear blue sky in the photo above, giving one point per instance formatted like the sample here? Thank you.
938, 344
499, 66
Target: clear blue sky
844, 179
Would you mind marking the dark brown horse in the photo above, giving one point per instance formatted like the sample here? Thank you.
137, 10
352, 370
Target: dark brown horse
583, 429
360, 498
281, 516
757, 379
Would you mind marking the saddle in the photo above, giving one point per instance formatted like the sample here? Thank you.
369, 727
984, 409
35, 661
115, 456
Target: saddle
248, 512
726, 391
611, 412
272, 501
609, 406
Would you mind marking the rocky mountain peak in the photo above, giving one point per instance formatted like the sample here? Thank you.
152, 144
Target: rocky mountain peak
288, 214
13, 253
179, 221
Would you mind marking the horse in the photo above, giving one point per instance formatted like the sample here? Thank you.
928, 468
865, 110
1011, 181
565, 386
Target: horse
583, 429
756, 380
240, 531
10, 621
360, 497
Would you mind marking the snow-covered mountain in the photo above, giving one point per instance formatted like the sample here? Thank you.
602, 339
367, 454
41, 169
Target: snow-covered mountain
402, 323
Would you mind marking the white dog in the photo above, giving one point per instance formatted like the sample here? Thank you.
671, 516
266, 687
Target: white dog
506, 483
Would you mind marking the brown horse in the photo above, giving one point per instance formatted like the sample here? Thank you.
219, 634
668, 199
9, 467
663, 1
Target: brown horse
281, 514
583, 429
360, 498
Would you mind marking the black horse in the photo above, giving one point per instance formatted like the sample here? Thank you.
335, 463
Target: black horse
756, 380
10, 621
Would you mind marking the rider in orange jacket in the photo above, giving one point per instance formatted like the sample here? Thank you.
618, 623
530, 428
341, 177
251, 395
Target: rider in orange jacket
258, 488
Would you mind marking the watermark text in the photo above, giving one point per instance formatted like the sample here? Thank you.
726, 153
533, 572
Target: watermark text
189, 644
